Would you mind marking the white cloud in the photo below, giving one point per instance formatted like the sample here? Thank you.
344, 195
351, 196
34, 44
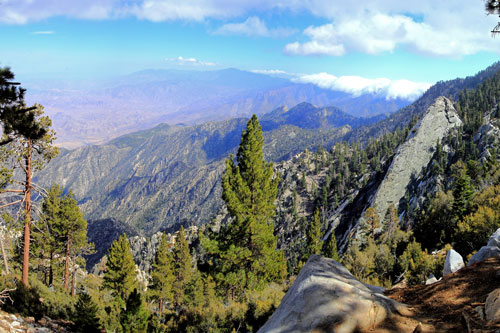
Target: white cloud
375, 33
270, 71
443, 28
356, 85
46, 32
190, 61
253, 26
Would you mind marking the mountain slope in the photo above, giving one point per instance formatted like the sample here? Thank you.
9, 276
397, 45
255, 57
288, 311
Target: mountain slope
170, 175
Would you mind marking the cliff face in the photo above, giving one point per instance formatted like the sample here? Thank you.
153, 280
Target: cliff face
414, 155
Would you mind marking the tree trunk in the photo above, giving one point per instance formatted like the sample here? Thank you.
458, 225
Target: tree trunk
73, 278
66, 266
27, 222
5, 264
51, 269
161, 306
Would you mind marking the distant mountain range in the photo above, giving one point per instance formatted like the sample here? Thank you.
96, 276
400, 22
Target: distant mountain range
95, 112
170, 175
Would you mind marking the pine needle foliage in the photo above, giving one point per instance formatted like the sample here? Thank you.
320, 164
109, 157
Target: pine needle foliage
120, 273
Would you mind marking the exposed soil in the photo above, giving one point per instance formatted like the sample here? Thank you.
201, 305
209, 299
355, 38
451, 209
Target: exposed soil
454, 304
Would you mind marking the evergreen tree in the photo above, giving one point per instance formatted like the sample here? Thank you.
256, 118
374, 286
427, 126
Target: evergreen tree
26, 146
371, 222
183, 267
134, 318
313, 236
462, 195
331, 247
46, 245
120, 274
246, 248
162, 275
86, 320
71, 230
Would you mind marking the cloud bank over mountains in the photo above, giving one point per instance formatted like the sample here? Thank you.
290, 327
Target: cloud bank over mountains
356, 85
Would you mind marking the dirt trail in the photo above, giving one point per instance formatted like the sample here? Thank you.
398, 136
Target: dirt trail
454, 304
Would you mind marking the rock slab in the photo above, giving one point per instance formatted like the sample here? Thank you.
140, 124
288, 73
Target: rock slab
453, 262
415, 153
326, 297
491, 250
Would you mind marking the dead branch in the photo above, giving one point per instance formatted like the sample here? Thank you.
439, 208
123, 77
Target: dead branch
11, 203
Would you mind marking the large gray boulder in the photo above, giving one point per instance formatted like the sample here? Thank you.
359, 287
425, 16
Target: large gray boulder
326, 297
453, 262
491, 250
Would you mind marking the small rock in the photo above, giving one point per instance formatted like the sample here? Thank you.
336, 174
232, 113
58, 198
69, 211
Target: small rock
418, 329
31, 330
30, 320
431, 279
479, 311
15, 323
453, 262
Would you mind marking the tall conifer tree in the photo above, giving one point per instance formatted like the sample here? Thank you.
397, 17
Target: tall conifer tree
246, 248
183, 267
162, 275
120, 273
314, 242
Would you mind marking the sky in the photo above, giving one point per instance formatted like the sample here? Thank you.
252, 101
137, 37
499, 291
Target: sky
399, 47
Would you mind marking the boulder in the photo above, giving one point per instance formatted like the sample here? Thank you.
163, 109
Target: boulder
453, 262
326, 297
492, 249
492, 305
431, 279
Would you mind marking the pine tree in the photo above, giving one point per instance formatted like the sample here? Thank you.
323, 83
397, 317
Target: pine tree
183, 267
331, 247
162, 275
46, 246
371, 221
134, 318
462, 195
71, 230
246, 248
120, 274
26, 145
86, 319
313, 236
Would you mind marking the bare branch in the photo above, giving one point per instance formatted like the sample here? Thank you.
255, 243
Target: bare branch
11, 203
22, 166
11, 191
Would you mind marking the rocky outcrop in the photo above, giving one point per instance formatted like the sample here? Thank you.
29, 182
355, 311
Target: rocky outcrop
414, 155
492, 249
453, 262
326, 297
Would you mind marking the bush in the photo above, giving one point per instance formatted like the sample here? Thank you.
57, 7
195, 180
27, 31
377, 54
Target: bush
38, 301
417, 264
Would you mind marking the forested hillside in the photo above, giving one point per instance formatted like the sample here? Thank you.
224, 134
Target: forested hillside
170, 175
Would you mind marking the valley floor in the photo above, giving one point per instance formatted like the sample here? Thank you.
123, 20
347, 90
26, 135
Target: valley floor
454, 304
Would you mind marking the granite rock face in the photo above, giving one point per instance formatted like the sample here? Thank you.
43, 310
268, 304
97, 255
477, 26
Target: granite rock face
453, 262
326, 297
492, 249
415, 153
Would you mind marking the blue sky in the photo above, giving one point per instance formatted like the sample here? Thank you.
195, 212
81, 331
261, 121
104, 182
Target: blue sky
329, 43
